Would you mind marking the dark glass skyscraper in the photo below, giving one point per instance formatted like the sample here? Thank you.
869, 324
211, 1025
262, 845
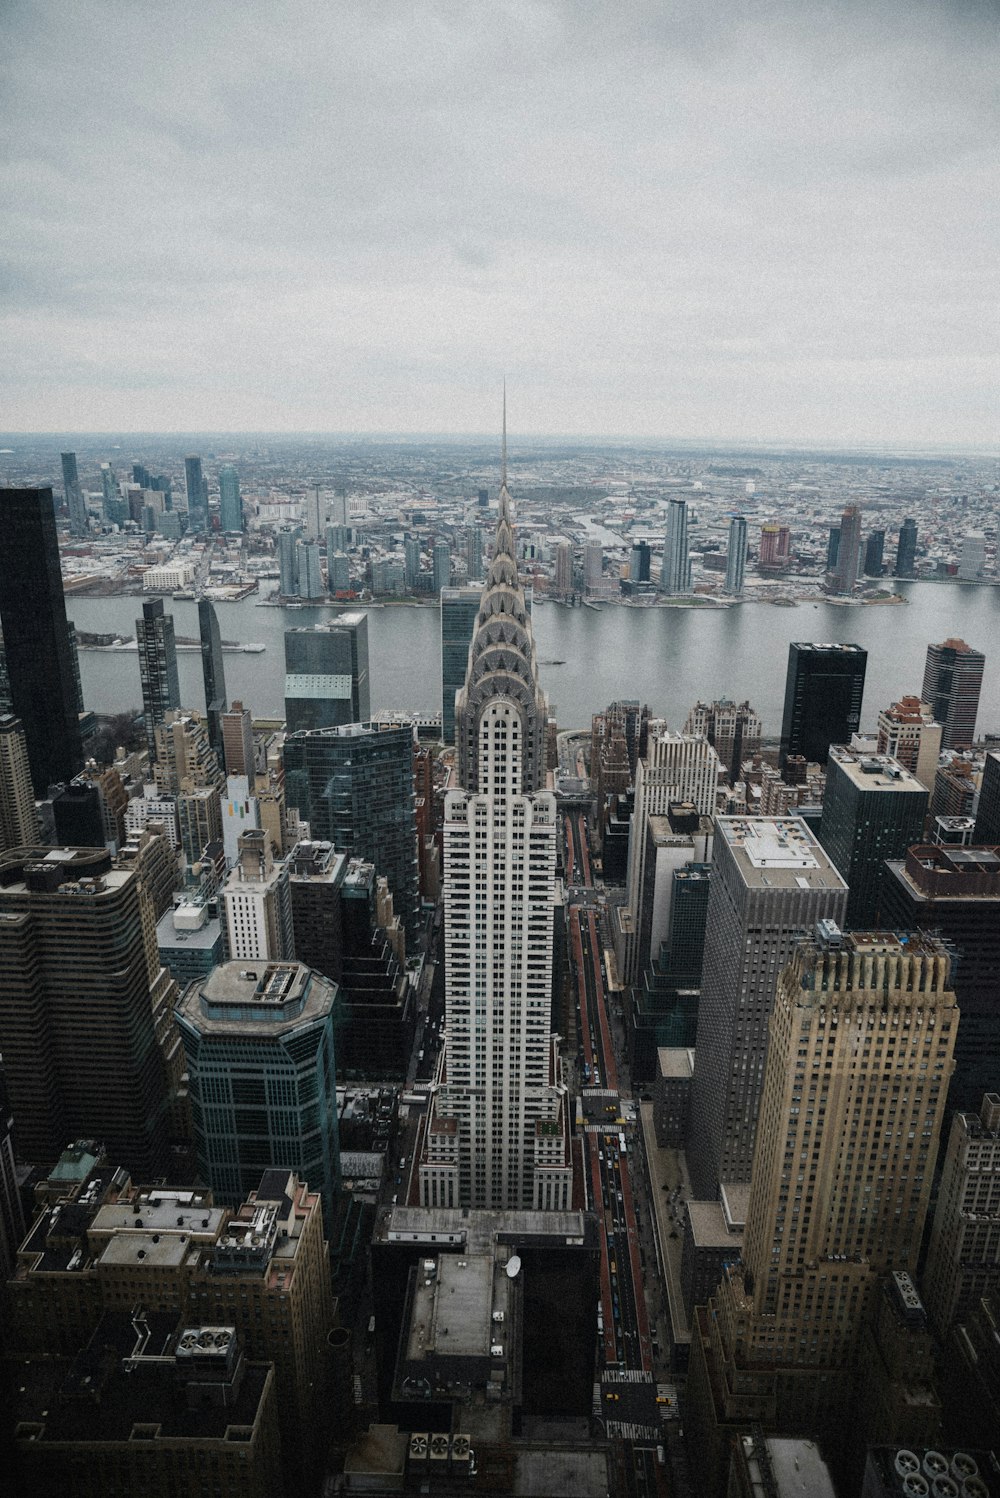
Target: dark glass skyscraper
906, 548
873, 809
197, 496
161, 691
988, 813
326, 674
953, 678
74, 496
459, 611
874, 553
230, 501
213, 670
354, 786
36, 637
823, 692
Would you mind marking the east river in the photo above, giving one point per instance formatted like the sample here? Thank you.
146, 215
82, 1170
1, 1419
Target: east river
667, 657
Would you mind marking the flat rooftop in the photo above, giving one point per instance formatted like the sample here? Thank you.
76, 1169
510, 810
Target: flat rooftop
452, 1308
778, 853
478, 1230
675, 1062
709, 1228
874, 772
279, 994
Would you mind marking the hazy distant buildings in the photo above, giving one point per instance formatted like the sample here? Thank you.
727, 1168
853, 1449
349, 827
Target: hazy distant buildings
972, 557
197, 494
843, 575
441, 561
315, 513
675, 572
736, 556
824, 686
875, 553
161, 692
953, 677
40, 667
326, 674
593, 566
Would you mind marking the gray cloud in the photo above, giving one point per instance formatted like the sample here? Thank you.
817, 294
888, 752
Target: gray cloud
740, 220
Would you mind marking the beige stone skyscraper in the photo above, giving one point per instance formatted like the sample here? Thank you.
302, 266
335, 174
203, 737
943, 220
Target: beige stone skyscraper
860, 1053
18, 817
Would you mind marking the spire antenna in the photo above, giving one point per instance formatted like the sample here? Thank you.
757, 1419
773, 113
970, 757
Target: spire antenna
503, 446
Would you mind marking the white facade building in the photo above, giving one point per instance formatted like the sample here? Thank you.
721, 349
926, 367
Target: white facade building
257, 903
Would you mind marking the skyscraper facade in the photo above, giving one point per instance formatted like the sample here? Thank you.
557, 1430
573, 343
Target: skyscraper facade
873, 809
326, 674
308, 570
36, 638
771, 880
75, 504
459, 611
907, 731
230, 499
874, 553
844, 574
411, 559
736, 556
84, 1008
675, 572
259, 1046
237, 742
213, 672
987, 828
824, 687
953, 678
288, 565
256, 903
161, 691
18, 817
197, 494
354, 786
732, 729
441, 558
315, 513
906, 548
851, 1111
497, 1133
963, 1260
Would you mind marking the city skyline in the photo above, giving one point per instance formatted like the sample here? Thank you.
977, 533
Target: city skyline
748, 220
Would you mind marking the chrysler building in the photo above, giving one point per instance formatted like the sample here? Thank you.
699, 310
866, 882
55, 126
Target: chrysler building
497, 1130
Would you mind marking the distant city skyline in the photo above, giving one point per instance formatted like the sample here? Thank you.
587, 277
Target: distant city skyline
705, 225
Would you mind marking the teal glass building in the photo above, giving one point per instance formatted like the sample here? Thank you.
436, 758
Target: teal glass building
259, 1044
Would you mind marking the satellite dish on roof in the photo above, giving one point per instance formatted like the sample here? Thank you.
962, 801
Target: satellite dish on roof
513, 1267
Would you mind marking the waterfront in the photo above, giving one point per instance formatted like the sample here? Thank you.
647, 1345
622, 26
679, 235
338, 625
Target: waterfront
664, 656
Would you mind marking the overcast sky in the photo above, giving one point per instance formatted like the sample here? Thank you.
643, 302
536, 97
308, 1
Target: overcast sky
690, 218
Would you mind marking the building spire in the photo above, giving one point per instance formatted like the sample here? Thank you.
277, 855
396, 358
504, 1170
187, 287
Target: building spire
503, 445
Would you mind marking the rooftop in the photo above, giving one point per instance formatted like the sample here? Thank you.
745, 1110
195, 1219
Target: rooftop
778, 852
874, 772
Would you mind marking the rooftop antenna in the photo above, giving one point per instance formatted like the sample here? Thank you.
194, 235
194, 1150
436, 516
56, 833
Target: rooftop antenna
503, 448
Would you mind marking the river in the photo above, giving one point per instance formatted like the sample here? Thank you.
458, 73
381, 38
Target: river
668, 657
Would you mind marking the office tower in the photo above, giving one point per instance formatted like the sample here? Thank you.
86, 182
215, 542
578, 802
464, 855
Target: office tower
411, 555
833, 548
907, 732
76, 816
83, 1000
955, 892
18, 816
732, 729
338, 573
230, 500
963, 1261
75, 504
874, 553
326, 674
199, 820
259, 1049
823, 691
497, 1134
593, 566
851, 1109
441, 561
262, 1270
309, 570
771, 880
257, 904
115, 511
213, 671
675, 572
288, 565
972, 557
953, 677
736, 556
474, 552
564, 568
237, 742
315, 516
161, 692
36, 639
639, 562
354, 786
873, 809
240, 813
988, 812
906, 548
678, 767
459, 612
197, 494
